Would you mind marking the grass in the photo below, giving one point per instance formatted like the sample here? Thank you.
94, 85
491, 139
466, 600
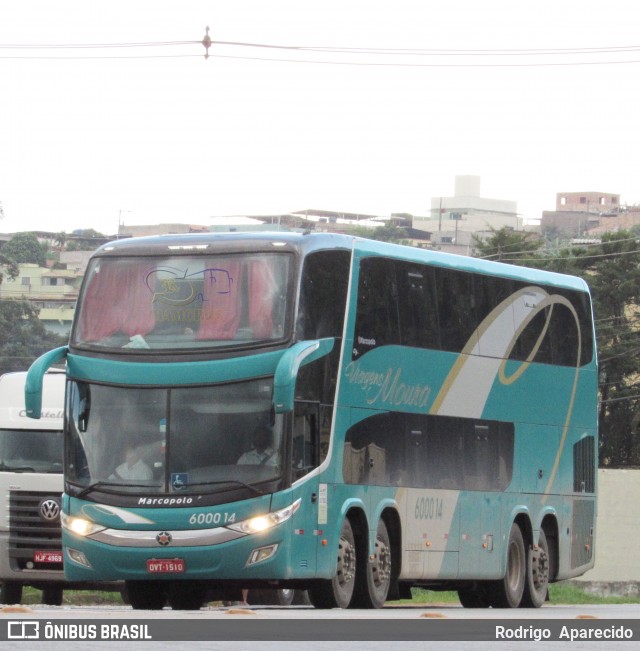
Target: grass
31, 596
560, 593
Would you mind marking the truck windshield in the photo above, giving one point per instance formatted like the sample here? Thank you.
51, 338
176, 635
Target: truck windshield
184, 302
192, 439
30, 451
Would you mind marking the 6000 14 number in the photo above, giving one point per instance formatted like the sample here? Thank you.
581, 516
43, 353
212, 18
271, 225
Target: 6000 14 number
428, 508
212, 518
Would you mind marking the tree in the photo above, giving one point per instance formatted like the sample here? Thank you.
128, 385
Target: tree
61, 239
505, 244
390, 233
25, 247
613, 273
23, 337
8, 267
612, 270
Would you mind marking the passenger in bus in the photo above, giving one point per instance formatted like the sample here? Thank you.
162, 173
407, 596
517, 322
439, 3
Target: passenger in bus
261, 452
133, 466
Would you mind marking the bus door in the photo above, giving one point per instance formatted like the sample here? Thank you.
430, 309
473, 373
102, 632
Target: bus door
310, 444
486, 454
431, 532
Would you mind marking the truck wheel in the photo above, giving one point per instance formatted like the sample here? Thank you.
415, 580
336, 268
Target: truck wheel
52, 596
10, 592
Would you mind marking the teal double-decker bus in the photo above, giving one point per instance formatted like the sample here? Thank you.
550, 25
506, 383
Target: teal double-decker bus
325, 413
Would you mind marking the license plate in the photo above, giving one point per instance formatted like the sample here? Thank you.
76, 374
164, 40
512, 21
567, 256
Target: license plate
47, 557
165, 565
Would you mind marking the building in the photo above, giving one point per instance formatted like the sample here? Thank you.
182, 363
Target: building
335, 221
53, 291
578, 213
159, 229
454, 221
589, 202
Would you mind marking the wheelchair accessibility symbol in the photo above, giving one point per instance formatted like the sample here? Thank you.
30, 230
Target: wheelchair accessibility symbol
179, 480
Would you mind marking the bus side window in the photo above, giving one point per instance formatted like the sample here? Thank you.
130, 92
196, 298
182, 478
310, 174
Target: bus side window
323, 295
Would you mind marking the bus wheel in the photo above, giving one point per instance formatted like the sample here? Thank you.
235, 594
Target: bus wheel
338, 591
537, 583
475, 597
186, 595
300, 598
377, 571
52, 596
10, 592
271, 597
146, 595
508, 592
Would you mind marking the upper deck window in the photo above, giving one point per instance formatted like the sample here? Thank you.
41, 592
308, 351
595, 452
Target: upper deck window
184, 302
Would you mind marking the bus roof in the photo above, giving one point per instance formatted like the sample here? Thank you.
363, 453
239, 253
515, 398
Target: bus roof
188, 244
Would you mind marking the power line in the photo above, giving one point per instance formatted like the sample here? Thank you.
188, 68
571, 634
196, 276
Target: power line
608, 400
426, 65
543, 258
432, 53
53, 46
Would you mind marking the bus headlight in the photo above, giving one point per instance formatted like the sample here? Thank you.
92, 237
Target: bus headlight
80, 526
267, 521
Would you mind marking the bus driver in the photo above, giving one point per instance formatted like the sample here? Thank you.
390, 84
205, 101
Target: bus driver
261, 452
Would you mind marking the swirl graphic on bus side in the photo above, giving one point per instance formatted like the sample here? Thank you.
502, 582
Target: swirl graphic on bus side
485, 355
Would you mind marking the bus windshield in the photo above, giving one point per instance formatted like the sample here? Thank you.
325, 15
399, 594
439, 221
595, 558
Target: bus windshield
30, 451
192, 439
184, 302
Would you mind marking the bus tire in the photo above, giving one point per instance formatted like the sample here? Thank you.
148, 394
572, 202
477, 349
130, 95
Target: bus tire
338, 591
146, 595
301, 598
271, 597
10, 592
537, 582
507, 593
474, 597
186, 595
52, 595
374, 577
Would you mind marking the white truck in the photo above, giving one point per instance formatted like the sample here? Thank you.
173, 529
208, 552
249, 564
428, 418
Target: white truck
30, 491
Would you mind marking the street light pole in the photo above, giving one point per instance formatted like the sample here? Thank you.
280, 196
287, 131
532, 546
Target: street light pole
120, 221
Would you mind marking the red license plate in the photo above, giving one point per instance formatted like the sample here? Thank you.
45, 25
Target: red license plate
165, 565
47, 557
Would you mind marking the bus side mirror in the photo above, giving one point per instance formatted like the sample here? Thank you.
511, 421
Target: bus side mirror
284, 384
33, 383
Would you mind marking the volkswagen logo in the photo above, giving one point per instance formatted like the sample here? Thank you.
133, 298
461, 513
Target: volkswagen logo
49, 509
163, 538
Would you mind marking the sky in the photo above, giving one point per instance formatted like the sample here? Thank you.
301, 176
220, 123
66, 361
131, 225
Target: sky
364, 106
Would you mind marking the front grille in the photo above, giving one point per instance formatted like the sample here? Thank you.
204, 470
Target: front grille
31, 532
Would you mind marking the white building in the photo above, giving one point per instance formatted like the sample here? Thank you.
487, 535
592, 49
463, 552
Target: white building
454, 220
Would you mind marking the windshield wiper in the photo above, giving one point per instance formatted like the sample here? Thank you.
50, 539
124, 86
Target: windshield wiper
100, 484
257, 491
